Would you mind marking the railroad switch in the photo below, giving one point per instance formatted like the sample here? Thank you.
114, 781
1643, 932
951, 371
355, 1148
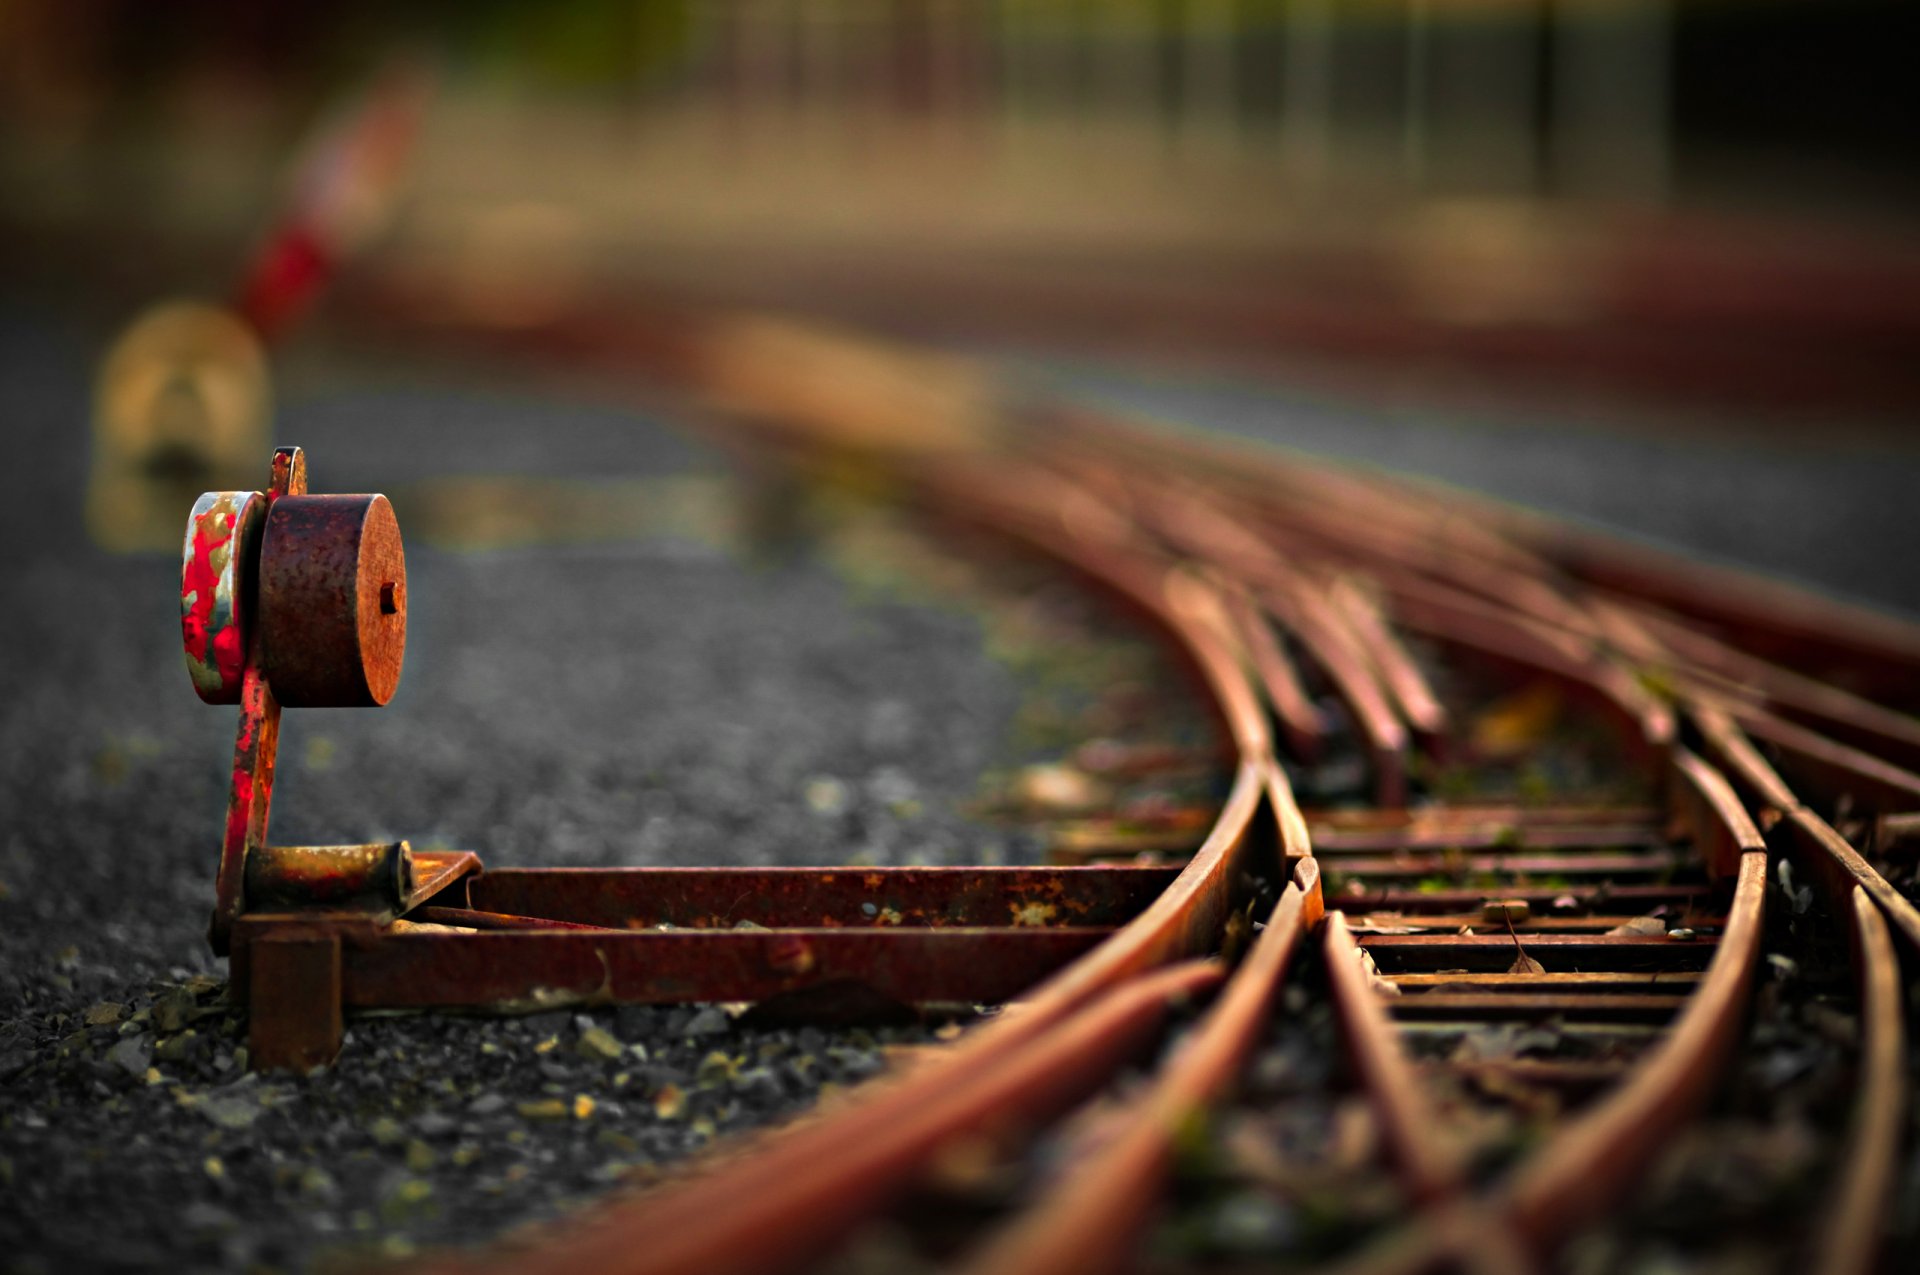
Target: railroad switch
299, 600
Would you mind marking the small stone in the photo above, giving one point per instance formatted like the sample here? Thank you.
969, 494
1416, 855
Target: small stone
386, 1131
1516, 911
543, 1109
420, 1156
408, 1198
132, 1054
633, 1022
760, 1085
670, 1103
173, 1011
551, 1023
105, 1013
203, 1218
487, 1104
1647, 926
716, 1069
1251, 1222
710, 1021
582, 1106
214, 1167
180, 1047
616, 1141
230, 1111
1059, 788
317, 1183
826, 796
598, 1042
1681, 934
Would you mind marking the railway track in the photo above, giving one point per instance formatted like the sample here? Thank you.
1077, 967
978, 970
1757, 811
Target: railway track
1620, 918
1549, 782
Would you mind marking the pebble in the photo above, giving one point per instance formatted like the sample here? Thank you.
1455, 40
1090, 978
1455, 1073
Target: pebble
315, 1182
173, 1011
826, 796
185, 1045
1053, 787
710, 1021
132, 1054
105, 1013
230, 1111
598, 1042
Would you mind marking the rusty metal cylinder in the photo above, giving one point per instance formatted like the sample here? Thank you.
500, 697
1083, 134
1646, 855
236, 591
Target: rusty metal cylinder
333, 601
373, 879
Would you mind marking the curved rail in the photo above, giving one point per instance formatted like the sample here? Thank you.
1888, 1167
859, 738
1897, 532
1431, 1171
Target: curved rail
1276, 580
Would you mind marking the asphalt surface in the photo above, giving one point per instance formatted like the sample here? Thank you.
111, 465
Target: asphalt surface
655, 699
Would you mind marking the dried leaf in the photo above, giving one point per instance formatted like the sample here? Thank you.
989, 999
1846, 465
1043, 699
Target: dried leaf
1651, 926
1523, 964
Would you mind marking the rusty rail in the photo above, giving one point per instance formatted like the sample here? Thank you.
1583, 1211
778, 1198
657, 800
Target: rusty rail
1276, 581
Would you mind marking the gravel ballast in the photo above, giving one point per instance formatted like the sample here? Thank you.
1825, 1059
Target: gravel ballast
654, 700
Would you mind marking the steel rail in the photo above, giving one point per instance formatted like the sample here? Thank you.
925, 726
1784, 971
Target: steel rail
789, 1199
1095, 1213
1179, 529
1558, 1187
770, 1209
1850, 1236
1235, 558
1585, 1165
1832, 856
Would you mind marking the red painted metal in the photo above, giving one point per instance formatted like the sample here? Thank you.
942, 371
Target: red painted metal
341, 193
216, 593
250, 791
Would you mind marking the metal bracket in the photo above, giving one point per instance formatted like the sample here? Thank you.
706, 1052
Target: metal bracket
317, 604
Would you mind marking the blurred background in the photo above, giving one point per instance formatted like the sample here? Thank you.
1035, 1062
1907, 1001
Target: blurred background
1647, 263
